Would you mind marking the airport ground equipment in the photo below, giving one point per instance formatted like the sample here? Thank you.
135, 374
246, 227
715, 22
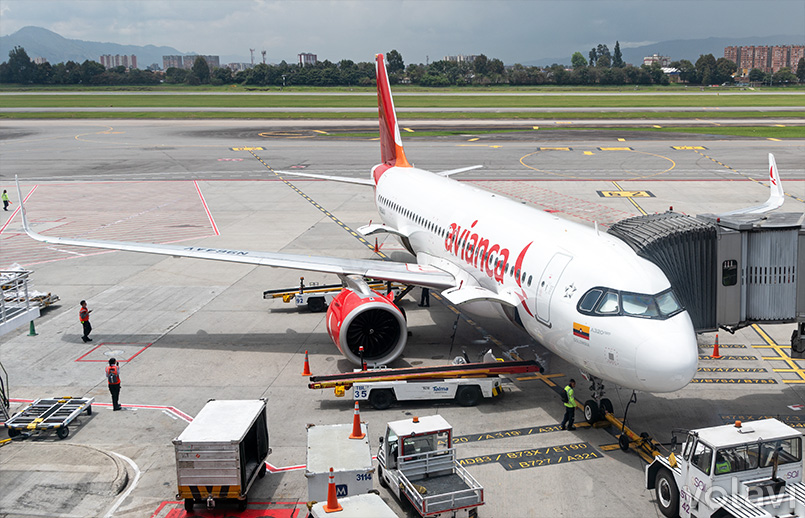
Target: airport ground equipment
368, 505
417, 462
465, 391
222, 452
317, 297
49, 414
18, 306
329, 446
752, 469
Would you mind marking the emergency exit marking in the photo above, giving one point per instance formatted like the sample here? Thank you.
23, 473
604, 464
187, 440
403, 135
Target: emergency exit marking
731, 357
625, 194
731, 369
735, 381
537, 457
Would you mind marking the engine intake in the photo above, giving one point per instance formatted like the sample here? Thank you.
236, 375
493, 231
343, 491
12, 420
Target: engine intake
369, 320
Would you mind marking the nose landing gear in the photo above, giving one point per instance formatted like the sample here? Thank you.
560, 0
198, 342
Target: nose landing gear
596, 408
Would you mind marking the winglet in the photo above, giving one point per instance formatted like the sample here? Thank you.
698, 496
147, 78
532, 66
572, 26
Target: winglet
391, 149
776, 196
22, 208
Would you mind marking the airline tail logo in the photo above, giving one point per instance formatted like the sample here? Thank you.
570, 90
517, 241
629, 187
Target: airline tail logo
391, 149
581, 331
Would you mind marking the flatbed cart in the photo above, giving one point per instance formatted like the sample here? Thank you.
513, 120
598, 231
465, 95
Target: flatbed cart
49, 414
317, 297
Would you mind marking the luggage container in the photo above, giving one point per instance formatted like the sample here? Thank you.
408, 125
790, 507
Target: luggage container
329, 446
222, 452
358, 506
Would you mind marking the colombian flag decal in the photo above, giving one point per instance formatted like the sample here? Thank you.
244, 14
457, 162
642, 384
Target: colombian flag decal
581, 331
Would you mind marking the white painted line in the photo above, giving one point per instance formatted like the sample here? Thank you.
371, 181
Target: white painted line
125, 493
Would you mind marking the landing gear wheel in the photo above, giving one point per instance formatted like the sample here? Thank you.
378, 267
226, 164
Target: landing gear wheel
667, 494
316, 304
381, 399
243, 504
606, 406
13, 432
623, 442
262, 471
591, 412
468, 396
188, 504
63, 432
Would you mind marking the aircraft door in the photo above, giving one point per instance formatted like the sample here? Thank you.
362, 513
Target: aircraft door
547, 285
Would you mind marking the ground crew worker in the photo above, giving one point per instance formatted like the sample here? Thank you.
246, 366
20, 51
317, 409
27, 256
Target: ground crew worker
5, 199
570, 406
113, 379
83, 317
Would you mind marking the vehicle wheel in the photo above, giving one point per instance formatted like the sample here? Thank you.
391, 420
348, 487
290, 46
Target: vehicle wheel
89, 410
316, 304
262, 472
243, 504
188, 504
468, 396
667, 494
381, 399
591, 411
606, 407
380, 477
13, 432
623, 442
63, 432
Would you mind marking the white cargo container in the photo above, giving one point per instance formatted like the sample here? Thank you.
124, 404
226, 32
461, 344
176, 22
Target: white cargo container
329, 446
222, 452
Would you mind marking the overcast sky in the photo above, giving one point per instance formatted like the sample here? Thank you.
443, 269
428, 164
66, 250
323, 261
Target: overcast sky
512, 30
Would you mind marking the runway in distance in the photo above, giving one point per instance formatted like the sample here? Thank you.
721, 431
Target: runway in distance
583, 294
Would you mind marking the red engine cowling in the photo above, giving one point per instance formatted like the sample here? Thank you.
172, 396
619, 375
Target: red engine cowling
372, 321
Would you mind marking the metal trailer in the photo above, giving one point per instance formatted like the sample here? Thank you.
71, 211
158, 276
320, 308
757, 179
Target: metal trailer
48, 414
465, 391
222, 452
329, 446
369, 505
317, 297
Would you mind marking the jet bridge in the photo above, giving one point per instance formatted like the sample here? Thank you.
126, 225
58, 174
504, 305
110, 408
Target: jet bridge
729, 271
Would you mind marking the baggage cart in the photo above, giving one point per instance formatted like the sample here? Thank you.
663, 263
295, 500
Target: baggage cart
329, 446
48, 414
222, 452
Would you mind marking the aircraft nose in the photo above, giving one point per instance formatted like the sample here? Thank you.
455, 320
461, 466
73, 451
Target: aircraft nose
669, 361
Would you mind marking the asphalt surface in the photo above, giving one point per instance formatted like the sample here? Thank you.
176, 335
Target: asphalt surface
186, 331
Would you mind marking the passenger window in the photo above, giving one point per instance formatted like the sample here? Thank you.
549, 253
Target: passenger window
729, 273
589, 299
702, 457
608, 304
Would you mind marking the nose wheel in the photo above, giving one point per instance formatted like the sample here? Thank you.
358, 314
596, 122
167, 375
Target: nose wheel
596, 408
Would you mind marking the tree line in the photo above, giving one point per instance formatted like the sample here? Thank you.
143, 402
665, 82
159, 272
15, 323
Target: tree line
600, 67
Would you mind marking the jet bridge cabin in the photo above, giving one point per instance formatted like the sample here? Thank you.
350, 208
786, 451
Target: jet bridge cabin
728, 271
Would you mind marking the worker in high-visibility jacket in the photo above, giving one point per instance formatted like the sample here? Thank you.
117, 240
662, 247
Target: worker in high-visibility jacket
113, 380
5, 199
83, 317
570, 405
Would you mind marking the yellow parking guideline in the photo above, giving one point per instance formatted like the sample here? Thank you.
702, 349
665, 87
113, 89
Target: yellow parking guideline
247, 149
615, 149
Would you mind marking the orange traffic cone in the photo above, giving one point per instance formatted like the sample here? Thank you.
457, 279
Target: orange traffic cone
715, 349
357, 433
306, 371
332, 501
376, 248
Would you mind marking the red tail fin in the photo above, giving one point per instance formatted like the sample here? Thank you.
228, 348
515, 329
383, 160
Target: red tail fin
391, 149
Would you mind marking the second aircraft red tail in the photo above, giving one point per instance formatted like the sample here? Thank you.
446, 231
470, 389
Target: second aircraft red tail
391, 149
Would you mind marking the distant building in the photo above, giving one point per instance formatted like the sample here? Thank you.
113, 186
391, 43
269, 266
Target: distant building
461, 58
172, 62
672, 73
238, 67
306, 59
664, 61
186, 62
765, 58
110, 61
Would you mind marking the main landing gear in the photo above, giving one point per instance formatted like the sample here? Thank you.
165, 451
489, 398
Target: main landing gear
596, 408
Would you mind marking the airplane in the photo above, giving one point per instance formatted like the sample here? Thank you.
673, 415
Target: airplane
584, 295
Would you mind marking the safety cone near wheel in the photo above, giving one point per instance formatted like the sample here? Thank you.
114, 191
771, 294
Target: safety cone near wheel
357, 433
377, 249
332, 505
32, 329
306, 371
715, 349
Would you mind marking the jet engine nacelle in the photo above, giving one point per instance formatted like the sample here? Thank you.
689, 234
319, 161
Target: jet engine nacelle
369, 320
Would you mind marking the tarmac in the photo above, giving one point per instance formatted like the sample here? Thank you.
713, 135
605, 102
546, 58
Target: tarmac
186, 331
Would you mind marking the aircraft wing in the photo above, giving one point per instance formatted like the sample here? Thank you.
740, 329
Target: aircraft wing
406, 273
342, 179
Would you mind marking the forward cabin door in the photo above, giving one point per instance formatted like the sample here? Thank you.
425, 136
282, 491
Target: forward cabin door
547, 285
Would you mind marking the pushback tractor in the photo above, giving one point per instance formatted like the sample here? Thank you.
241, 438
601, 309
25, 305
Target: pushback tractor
749, 470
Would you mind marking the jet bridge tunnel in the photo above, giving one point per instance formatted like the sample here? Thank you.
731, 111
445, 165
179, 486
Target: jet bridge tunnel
729, 271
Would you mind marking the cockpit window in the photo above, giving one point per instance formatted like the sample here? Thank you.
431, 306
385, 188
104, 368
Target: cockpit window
608, 302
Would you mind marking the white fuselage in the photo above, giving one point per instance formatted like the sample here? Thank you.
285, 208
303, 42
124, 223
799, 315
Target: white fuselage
549, 263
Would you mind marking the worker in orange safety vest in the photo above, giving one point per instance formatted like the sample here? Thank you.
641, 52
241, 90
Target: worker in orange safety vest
83, 317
